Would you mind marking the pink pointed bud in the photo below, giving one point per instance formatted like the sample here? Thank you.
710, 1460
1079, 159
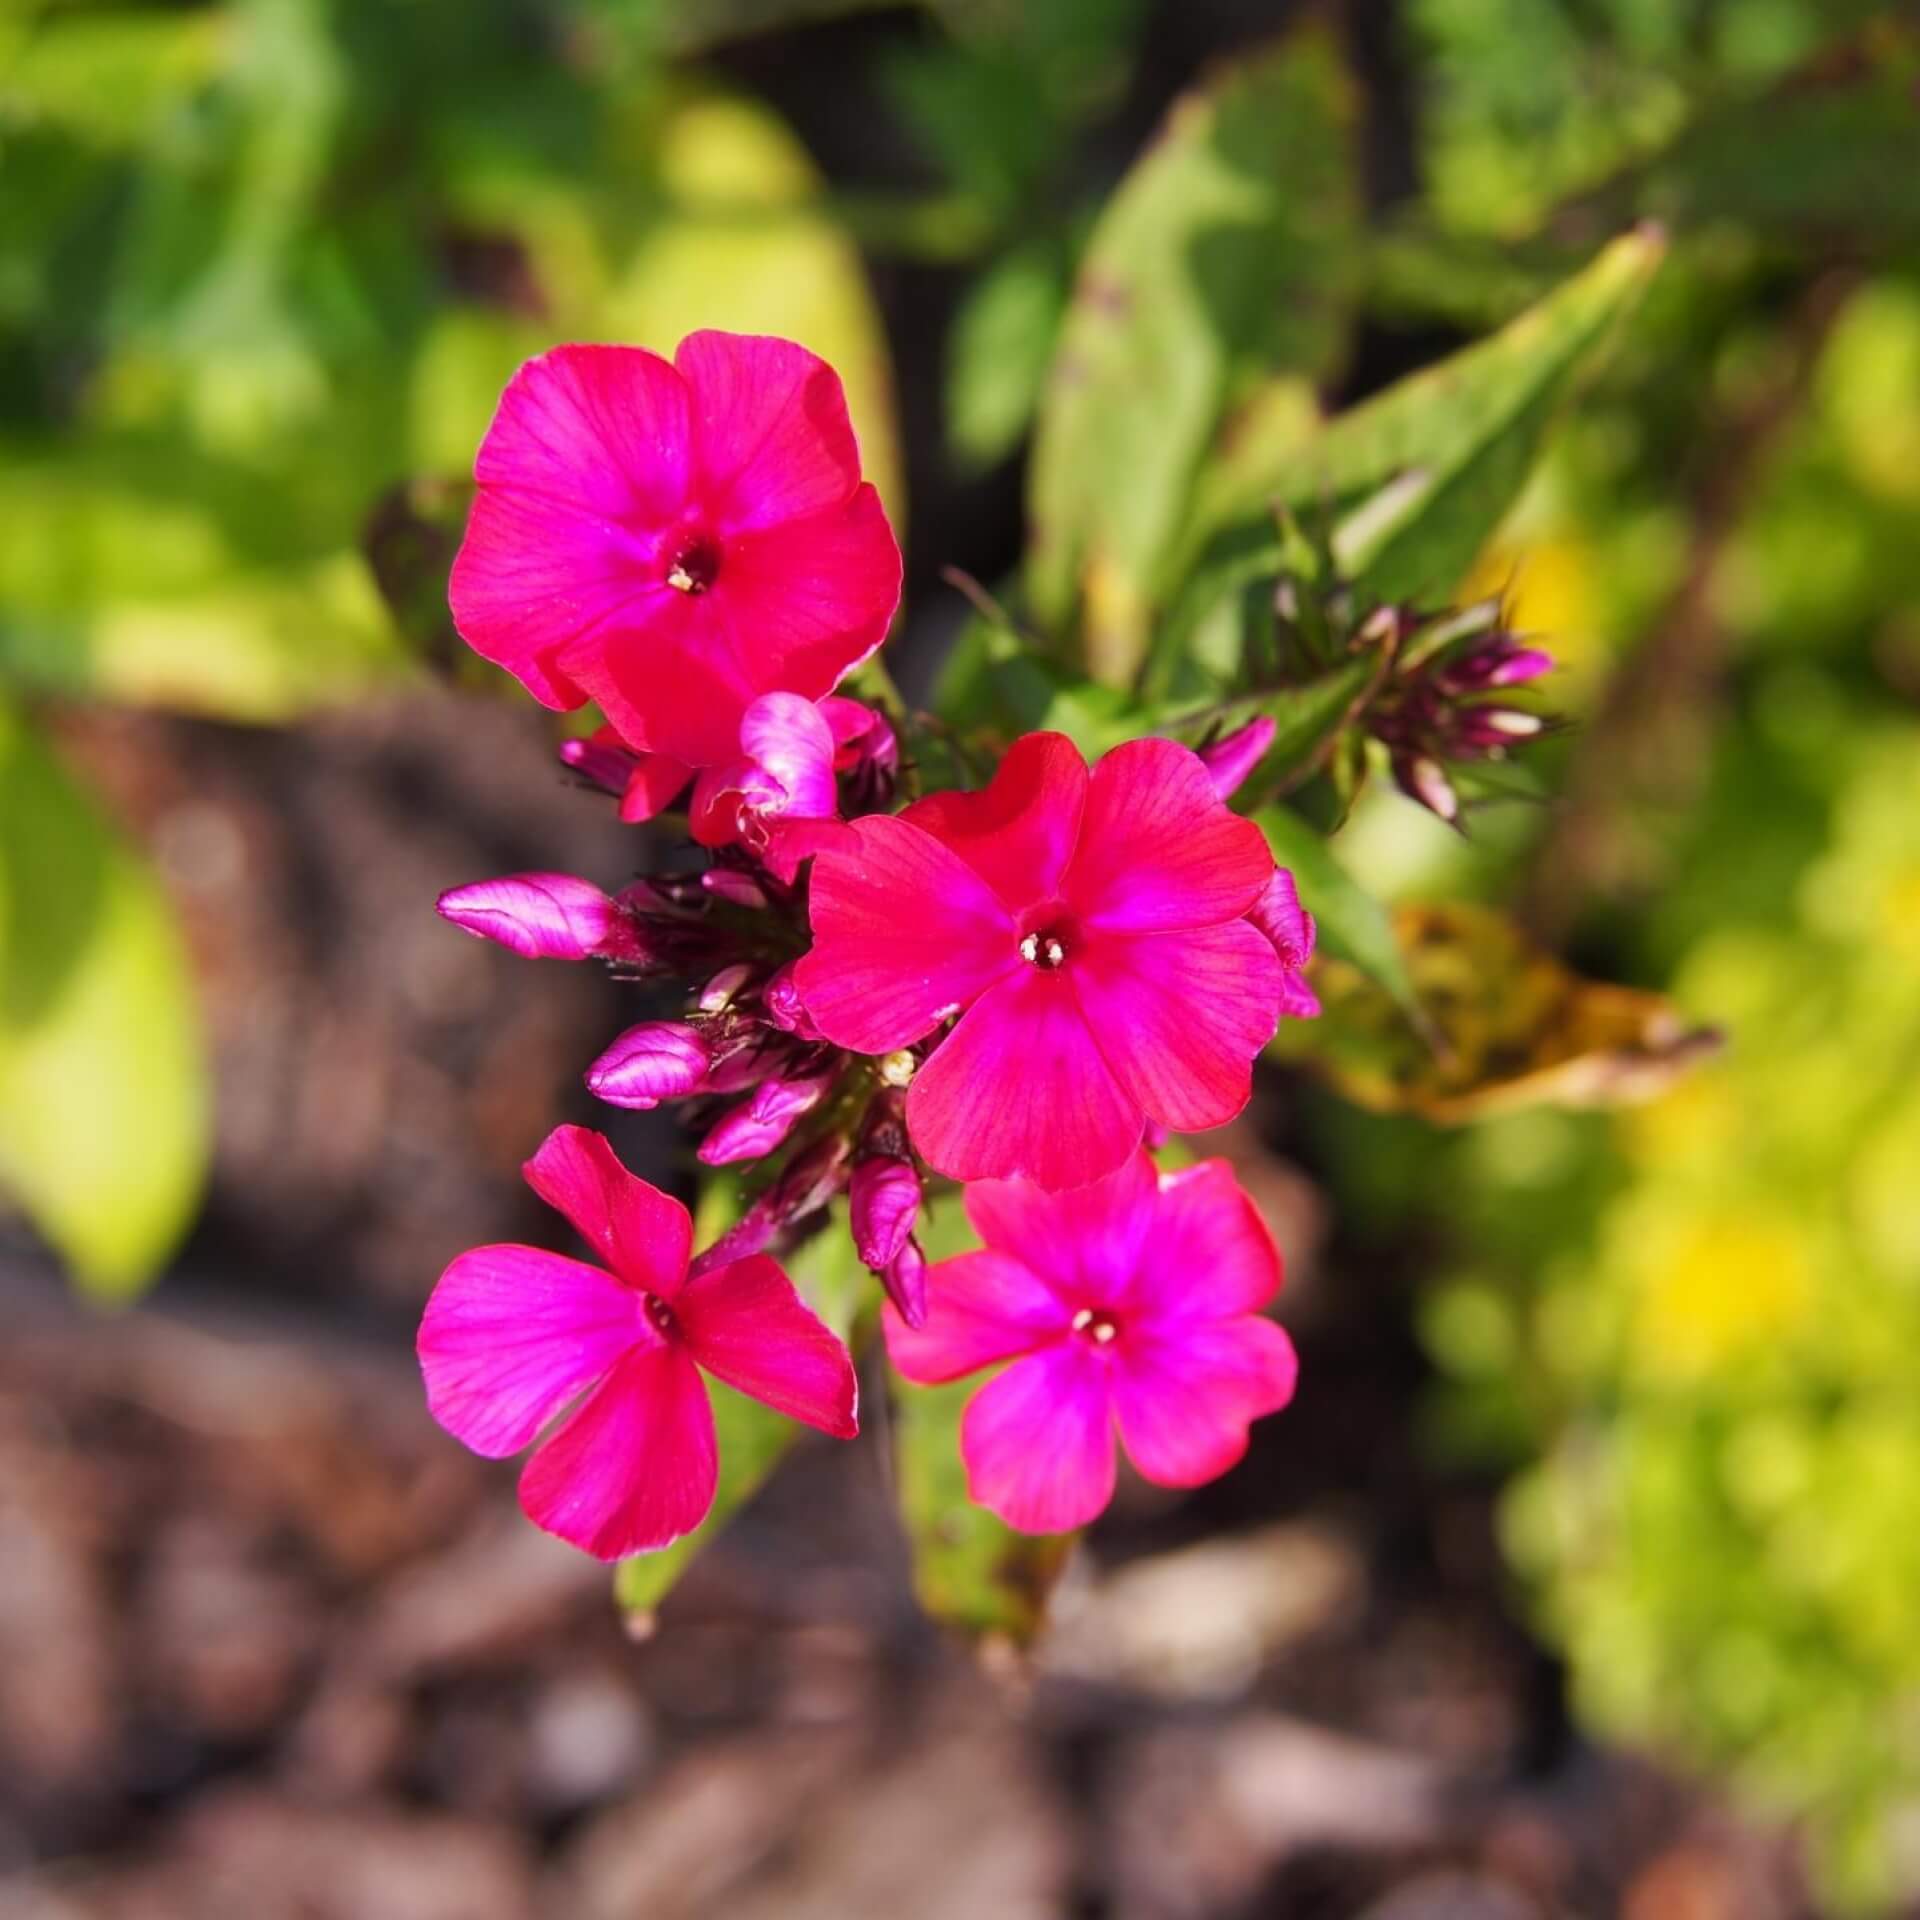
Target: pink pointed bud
1497, 663
1422, 778
719, 992
784, 1007
655, 1061
544, 916
763, 1122
1289, 926
736, 888
905, 1282
813, 1179
1231, 759
602, 759
884, 1200
1492, 730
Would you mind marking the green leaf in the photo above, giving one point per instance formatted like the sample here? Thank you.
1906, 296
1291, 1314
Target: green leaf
971, 1570
1226, 257
103, 1087
753, 1439
1450, 447
997, 354
1307, 718
1352, 923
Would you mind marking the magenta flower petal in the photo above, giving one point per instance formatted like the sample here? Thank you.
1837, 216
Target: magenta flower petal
791, 739
1180, 1017
1085, 1243
1020, 1086
1206, 1253
775, 442
543, 916
655, 1061
1038, 1441
981, 1307
1018, 834
904, 1281
636, 1466
511, 1334
747, 1325
655, 783
672, 540
643, 1234
1280, 916
883, 1202
1184, 1401
1158, 849
904, 932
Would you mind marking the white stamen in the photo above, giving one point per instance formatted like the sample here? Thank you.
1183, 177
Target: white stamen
681, 580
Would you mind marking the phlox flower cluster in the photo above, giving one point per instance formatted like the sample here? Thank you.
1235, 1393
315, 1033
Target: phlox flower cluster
1021, 989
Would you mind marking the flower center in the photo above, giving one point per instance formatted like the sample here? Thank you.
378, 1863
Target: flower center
660, 1314
696, 564
1096, 1325
1044, 948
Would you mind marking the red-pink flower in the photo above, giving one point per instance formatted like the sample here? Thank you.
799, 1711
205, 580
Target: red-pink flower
673, 538
1132, 1303
512, 1335
1090, 933
778, 798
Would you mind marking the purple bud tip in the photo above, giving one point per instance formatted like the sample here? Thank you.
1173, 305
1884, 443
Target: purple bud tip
737, 889
608, 767
762, 1122
905, 1282
884, 1203
544, 916
1422, 778
784, 1007
1231, 759
657, 1060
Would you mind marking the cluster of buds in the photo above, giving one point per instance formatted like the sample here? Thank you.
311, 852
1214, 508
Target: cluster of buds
824, 1121
1444, 699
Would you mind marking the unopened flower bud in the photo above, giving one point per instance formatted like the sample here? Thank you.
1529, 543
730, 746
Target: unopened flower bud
763, 1122
602, 760
884, 1203
784, 1007
1422, 778
1229, 760
905, 1282
655, 1061
1496, 663
1289, 927
736, 888
718, 993
814, 1177
544, 916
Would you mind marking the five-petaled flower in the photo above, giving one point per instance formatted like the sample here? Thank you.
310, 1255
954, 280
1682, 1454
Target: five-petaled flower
1132, 1303
673, 538
513, 1334
1090, 932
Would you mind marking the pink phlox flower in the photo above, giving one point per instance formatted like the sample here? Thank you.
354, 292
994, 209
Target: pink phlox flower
778, 798
1088, 929
673, 538
1280, 916
1132, 1304
514, 1335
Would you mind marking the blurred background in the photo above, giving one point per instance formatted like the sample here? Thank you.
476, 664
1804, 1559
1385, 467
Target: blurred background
1584, 1576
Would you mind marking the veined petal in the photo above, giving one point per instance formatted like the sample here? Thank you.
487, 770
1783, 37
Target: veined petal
644, 1235
903, 930
541, 916
1158, 849
587, 453
1184, 1401
1206, 1254
1019, 833
1020, 1087
746, 1324
1038, 1441
1180, 1016
981, 1307
770, 426
636, 1466
511, 1334
1083, 1244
